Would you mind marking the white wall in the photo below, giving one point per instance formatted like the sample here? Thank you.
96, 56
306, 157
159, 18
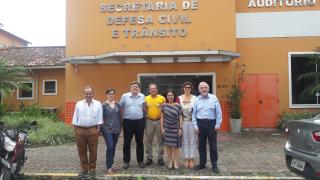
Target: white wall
278, 24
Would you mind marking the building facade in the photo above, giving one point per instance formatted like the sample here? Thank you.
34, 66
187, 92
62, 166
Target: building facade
111, 43
46, 77
169, 42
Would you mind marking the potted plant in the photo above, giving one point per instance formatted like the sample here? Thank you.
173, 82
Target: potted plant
236, 95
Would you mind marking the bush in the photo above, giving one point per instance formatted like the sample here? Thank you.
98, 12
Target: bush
51, 134
3, 110
287, 116
48, 132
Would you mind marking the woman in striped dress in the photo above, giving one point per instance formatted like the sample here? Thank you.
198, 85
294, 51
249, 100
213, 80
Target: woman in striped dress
171, 120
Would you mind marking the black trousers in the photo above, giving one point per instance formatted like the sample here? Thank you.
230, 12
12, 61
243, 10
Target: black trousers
130, 128
207, 131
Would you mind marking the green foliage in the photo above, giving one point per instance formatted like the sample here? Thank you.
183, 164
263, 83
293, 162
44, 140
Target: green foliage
3, 109
35, 110
236, 93
288, 116
51, 134
30, 110
49, 131
10, 77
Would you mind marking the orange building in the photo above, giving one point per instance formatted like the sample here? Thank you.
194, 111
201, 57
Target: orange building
169, 42
47, 77
111, 43
8, 39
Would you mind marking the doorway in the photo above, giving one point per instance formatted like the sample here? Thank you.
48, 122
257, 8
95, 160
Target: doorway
260, 105
174, 81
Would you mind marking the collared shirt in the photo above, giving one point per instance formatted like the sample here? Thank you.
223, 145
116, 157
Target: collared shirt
153, 105
206, 107
132, 105
87, 115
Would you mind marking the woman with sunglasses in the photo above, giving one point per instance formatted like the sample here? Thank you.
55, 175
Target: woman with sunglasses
189, 138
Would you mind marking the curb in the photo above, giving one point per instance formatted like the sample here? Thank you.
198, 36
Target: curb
142, 176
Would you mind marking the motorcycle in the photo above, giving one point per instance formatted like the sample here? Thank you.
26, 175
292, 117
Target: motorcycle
12, 151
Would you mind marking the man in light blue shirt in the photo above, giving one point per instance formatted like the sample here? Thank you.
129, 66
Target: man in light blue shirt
132, 105
207, 119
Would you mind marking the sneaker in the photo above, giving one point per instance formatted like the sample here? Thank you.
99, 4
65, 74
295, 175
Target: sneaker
141, 165
149, 162
161, 162
110, 172
125, 165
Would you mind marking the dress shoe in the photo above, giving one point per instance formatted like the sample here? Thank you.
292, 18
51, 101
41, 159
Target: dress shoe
141, 165
82, 173
199, 167
125, 165
92, 173
215, 170
160, 162
149, 162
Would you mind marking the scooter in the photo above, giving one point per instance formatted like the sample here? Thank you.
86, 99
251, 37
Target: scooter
12, 151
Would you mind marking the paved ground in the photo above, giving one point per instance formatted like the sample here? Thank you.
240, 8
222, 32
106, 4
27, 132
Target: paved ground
249, 154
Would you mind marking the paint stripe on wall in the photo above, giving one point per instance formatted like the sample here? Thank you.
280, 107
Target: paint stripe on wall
278, 24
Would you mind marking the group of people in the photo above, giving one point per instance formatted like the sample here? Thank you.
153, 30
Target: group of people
176, 121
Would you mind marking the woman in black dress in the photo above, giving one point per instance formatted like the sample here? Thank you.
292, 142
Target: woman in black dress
171, 120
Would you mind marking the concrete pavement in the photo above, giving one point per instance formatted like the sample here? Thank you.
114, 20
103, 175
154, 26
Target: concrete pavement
248, 155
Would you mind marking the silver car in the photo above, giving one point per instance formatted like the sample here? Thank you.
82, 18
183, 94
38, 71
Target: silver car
302, 149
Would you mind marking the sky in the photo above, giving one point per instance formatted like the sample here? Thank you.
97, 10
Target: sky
41, 22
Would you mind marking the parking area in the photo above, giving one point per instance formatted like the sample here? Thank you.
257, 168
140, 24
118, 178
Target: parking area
252, 153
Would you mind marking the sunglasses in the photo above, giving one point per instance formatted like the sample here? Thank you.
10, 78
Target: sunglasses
187, 87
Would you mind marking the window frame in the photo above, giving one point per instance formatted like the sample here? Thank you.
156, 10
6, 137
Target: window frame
291, 105
56, 87
32, 90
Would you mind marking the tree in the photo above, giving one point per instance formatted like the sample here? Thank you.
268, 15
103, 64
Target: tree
312, 77
10, 76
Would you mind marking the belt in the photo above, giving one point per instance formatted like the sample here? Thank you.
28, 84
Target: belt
133, 119
205, 119
153, 119
87, 127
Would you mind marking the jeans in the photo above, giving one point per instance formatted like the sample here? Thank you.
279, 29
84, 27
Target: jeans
111, 142
207, 131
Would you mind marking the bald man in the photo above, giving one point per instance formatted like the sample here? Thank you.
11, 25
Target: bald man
86, 121
207, 119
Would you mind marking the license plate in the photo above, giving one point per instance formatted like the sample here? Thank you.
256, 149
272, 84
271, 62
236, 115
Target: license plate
298, 164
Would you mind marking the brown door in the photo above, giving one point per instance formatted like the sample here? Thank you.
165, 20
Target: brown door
260, 105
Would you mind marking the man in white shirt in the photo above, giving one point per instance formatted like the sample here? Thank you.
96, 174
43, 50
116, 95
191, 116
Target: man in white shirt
87, 119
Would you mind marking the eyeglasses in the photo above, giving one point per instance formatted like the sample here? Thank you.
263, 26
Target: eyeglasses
187, 87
